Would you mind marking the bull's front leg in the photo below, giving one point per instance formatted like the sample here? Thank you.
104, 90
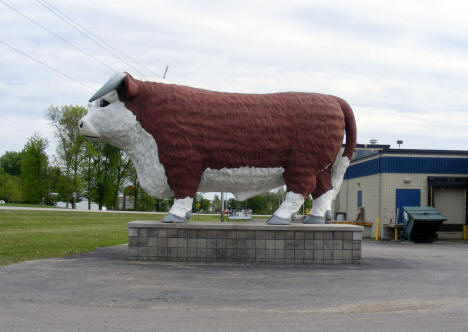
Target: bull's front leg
290, 205
180, 211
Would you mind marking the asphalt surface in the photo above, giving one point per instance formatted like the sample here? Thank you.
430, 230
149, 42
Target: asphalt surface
398, 287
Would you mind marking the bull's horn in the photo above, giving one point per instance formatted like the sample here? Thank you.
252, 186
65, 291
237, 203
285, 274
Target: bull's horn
110, 85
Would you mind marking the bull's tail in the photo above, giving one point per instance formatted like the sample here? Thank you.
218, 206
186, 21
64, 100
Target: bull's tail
342, 161
350, 128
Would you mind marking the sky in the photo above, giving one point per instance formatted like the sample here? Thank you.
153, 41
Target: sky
401, 65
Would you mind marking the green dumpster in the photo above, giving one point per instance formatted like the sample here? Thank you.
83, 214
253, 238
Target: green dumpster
421, 223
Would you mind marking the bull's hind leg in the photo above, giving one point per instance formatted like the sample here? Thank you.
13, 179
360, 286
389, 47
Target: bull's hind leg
322, 198
328, 185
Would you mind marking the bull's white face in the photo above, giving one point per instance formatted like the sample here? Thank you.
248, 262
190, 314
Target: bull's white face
108, 120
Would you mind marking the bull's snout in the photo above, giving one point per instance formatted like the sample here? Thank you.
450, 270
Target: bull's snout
87, 129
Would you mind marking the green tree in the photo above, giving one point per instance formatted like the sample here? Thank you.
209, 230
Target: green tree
123, 165
10, 161
307, 205
10, 190
215, 204
90, 152
257, 204
34, 164
204, 203
105, 162
133, 179
127, 192
146, 202
4, 177
265, 203
70, 143
61, 185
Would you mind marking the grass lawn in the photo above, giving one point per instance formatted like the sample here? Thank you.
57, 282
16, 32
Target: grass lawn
26, 235
28, 205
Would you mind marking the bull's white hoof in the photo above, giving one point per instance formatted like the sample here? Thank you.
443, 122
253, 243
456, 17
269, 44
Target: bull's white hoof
275, 220
172, 218
310, 219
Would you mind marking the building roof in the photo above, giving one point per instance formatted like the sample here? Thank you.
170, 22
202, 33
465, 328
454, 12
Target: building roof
373, 150
388, 160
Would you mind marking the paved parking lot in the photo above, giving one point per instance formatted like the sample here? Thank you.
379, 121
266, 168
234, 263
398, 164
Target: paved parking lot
398, 286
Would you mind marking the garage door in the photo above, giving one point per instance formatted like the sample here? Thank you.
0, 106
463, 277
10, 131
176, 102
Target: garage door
451, 203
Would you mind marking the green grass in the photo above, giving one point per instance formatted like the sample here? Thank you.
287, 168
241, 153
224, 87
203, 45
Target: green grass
26, 235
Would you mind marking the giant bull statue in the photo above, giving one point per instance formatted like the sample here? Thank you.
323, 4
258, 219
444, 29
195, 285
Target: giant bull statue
183, 140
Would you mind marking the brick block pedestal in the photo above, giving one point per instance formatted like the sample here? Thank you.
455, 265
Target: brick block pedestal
247, 242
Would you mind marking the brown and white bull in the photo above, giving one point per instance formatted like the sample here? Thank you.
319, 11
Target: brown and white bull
183, 140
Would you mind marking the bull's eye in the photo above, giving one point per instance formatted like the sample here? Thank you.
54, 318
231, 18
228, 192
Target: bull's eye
103, 103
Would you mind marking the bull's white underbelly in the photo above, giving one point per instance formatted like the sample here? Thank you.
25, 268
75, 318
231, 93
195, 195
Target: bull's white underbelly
243, 182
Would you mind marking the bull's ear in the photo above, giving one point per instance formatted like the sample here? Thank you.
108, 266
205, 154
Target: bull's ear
131, 86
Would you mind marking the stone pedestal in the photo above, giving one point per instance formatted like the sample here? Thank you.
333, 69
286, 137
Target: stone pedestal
247, 242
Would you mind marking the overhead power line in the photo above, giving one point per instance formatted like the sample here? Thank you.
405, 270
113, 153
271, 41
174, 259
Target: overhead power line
56, 35
92, 36
45, 64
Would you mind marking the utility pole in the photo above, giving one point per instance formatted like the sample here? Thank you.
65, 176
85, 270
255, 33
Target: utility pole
222, 206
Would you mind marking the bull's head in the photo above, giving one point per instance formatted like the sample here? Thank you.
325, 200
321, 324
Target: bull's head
108, 119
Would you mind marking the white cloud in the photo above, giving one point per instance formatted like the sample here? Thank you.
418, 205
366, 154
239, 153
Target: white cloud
400, 64
425, 130
16, 129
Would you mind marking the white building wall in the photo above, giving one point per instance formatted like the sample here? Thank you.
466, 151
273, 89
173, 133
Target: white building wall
379, 195
393, 181
348, 197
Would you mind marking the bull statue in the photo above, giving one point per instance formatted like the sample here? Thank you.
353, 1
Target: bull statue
183, 140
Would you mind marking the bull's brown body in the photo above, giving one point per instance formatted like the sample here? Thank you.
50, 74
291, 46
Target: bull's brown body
197, 129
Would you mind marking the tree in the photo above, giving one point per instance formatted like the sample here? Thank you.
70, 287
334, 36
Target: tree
105, 161
4, 177
10, 190
234, 204
34, 165
215, 204
88, 169
307, 204
257, 204
127, 192
133, 178
60, 184
146, 202
266, 203
11, 162
204, 203
70, 142
122, 174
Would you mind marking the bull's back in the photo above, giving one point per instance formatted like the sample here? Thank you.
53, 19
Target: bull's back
234, 130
